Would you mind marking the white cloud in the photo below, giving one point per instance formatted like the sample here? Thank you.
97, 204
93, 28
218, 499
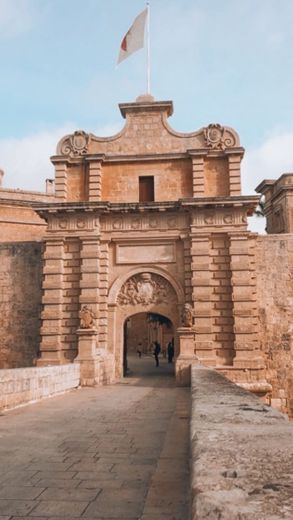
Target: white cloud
269, 161
16, 17
272, 158
26, 161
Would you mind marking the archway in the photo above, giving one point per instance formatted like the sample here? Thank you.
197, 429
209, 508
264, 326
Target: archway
144, 290
141, 333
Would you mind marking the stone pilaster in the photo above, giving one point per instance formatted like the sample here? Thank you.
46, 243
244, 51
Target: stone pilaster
198, 183
89, 281
202, 298
246, 344
61, 180
95, 178
103, 295
52, 300
234, 174
186, 342
90, 364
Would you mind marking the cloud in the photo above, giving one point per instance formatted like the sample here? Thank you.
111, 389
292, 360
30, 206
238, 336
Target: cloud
16, 17
26, 161
268, 161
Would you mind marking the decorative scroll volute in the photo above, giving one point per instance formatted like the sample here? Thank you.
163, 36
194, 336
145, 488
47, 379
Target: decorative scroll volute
75, 145
218, 137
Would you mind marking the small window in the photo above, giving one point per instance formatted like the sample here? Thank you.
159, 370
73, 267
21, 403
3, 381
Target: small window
146, 189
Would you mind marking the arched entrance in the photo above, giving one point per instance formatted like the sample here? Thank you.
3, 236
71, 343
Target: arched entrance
144, 291
141, 332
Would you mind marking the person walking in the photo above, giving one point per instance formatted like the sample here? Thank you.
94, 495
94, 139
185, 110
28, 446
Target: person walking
170, 350
157, 351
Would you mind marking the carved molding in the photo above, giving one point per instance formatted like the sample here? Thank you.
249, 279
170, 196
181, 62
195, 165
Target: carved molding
218, 137
74, 223
218, 218
74, 145
144, 222
145, 289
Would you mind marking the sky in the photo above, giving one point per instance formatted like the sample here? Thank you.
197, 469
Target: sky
228, 62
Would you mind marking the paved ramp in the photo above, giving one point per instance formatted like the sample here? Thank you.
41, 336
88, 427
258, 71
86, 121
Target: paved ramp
108, 453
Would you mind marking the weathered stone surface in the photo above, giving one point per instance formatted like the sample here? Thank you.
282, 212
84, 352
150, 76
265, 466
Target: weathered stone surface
241, 452
20, 303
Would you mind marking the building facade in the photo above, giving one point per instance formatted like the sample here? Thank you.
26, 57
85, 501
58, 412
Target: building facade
152, 223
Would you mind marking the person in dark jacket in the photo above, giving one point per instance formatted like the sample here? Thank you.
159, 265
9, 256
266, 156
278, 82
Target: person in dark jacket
157, 351
170, 350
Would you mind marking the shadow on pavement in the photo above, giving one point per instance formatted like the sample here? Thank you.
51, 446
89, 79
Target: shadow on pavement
143, 372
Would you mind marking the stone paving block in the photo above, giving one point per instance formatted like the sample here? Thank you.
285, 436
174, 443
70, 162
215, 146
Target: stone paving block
78, 495
59, 483
93, 475
100, 484
21, 493
114, 509
16, 507
62, 475
49, 508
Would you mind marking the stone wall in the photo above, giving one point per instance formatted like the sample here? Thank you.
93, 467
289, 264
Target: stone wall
25, 385
20, 302
274, 268
241, 453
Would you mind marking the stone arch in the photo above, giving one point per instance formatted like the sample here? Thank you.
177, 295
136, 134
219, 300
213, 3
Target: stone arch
143, 289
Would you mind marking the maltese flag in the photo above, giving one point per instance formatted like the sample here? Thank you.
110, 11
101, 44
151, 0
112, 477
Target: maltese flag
134, 38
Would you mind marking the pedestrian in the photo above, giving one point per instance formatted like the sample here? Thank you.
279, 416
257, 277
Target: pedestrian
157, 351
139, 349
170, 351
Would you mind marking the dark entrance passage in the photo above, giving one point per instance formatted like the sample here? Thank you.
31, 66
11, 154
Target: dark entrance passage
147, 334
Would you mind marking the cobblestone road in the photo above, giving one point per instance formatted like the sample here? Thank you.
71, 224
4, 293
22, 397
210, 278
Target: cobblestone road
108, 453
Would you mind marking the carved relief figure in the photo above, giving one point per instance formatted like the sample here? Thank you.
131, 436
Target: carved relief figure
145, 288
187, 315
86, 317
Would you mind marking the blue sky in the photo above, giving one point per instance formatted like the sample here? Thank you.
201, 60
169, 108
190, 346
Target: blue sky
229, 62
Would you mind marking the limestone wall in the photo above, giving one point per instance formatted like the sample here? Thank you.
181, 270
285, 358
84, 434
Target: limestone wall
241, 453
20, 301
274, 268
25, 385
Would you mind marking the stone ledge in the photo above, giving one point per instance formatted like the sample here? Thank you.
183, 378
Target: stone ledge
240, 453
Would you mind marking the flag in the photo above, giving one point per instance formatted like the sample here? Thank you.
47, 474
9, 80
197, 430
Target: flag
134, 38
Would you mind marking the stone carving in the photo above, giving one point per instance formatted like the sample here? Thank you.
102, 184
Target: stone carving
187, 315
76, 145
217, 137
86, 317
144, 289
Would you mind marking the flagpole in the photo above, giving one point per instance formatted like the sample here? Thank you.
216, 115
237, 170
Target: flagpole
148, 50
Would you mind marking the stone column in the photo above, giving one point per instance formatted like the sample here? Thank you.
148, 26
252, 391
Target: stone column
246, 345
61, 180
202, 298
52, 300
95, 178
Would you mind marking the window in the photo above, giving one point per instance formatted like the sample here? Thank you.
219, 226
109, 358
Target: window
146, 189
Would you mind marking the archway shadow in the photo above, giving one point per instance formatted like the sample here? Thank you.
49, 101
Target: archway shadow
142, 371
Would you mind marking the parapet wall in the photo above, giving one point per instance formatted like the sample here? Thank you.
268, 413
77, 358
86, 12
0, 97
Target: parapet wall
20, 303
241, 453
25, 385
